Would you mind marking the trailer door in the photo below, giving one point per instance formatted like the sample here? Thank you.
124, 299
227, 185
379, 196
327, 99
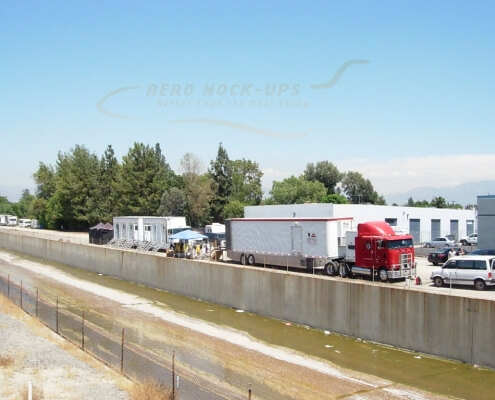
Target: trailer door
296, 233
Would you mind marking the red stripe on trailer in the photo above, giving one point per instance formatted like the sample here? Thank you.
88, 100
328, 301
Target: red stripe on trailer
290, 219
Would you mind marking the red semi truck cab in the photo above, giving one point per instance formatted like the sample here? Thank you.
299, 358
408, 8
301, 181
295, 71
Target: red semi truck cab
376, 249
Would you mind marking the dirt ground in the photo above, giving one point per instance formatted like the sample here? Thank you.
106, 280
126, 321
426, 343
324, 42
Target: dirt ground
56, 369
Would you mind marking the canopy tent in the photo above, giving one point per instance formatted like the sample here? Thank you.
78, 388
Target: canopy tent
101, 233
187, 235
100, 225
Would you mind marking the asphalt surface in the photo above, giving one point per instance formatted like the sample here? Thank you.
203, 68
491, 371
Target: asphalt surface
424, 270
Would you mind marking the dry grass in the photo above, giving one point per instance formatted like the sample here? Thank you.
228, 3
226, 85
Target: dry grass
6, 361
150, 390
10, 308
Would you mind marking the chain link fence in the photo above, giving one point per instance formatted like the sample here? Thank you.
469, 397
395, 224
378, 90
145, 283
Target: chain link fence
112, 349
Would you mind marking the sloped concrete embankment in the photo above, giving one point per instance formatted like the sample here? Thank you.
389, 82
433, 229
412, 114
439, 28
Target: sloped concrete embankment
454, 327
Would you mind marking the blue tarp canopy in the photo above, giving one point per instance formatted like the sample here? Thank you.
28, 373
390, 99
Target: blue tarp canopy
188, 235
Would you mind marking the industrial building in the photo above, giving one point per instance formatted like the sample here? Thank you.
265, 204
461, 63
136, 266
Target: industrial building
422, 223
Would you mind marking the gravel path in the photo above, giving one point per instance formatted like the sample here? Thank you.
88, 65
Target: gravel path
48, 361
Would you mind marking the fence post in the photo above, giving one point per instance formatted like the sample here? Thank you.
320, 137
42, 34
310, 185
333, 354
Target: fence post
173, 375
56, 317
122, 354
21, 295
82, 330
249, 392
287, 260
36, 302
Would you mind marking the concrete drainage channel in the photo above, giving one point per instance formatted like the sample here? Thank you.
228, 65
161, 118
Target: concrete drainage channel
424, 321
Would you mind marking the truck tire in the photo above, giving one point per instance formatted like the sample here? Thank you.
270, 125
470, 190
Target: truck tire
243, 259
331, 269
382, 275
345, 271
251, 260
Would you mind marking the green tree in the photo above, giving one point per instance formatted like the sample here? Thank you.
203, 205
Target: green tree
296, 191
221, 175
106, 196
144, 177
70, 206
234, 209
246, 182
37, 210
422, 203
23, 207
324, 172
334, 198
45, 181
358, 189
198, 189
5, 206
439, 202
173, 202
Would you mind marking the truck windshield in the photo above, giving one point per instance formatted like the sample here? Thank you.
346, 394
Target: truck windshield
398, 244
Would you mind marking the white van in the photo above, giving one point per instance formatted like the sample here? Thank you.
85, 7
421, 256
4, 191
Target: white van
466, 270
24, 223
12, 221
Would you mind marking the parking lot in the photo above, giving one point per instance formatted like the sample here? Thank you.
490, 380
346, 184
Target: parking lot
424, 269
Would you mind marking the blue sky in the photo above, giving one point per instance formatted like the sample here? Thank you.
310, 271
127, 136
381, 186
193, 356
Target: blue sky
410, 101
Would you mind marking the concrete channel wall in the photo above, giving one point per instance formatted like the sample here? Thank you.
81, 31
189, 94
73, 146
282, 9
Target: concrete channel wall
448, 326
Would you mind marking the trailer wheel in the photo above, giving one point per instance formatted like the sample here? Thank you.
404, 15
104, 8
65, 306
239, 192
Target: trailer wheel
251, 260
382, 275
243, 259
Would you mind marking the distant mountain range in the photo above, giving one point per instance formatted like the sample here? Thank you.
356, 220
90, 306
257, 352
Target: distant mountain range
464, 194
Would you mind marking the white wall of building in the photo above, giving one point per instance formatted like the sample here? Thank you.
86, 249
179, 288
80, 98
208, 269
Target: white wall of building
422, 223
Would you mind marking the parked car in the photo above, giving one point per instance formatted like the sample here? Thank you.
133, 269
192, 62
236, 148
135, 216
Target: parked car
483, 252
466, 270
441, 255
440, 242
469, 240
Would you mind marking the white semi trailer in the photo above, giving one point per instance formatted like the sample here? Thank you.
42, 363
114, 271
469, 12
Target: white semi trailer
373, 249
292, 242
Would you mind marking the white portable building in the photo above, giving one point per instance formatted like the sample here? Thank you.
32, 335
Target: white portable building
148, 229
